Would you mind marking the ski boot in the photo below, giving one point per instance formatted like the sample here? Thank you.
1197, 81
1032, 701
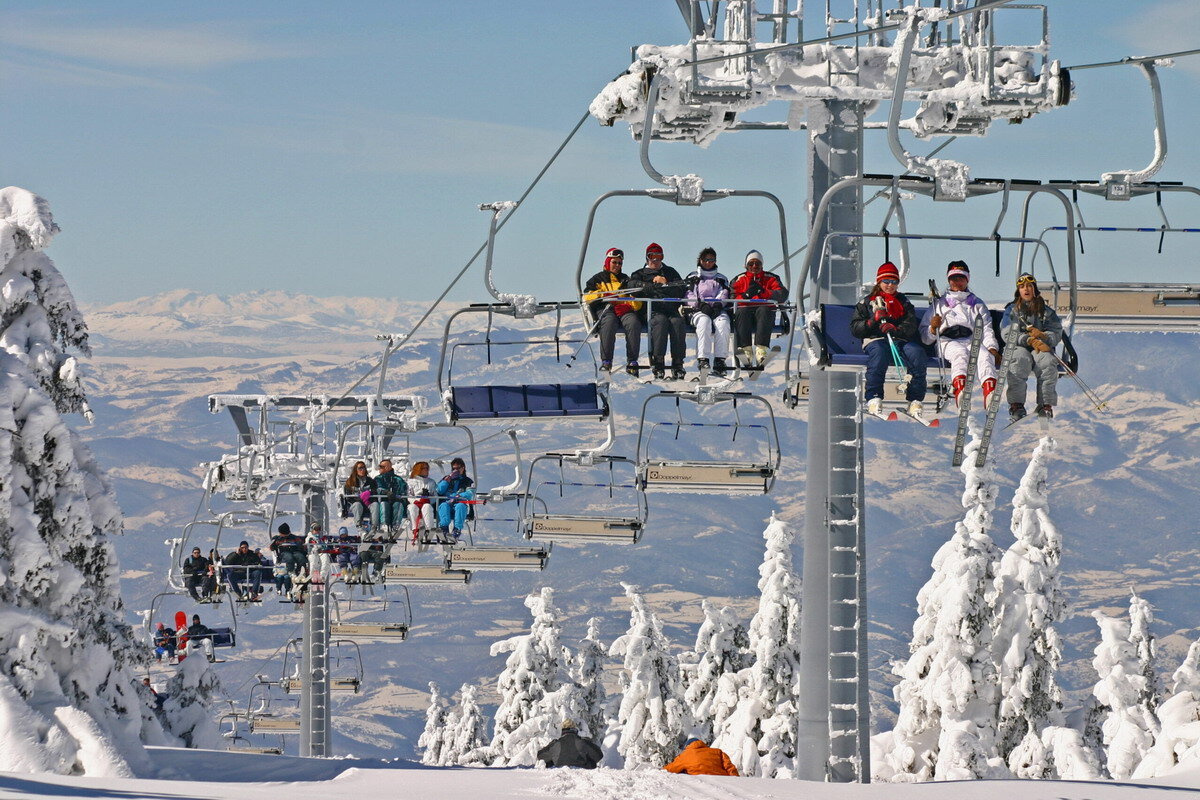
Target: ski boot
761, 352
989, 386
703, 364
875, 406
916, 409
632, 369
719, 367
677, 372
1016, 412
1045, 411
959, 383
659, 371
606, 366
745, 357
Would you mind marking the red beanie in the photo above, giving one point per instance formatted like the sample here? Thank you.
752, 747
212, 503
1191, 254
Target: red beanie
613, 252
654, 247
887, 270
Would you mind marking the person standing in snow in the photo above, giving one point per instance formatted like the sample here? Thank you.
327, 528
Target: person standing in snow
622, 313
949, 323
757, 292
421, 497
882, 313
698, 758
387, 510
456, 495
707, 296
357, 492
664, 284
1034, 329
201, 577
571, 750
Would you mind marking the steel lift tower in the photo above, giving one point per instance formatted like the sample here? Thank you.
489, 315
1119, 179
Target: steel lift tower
944, 61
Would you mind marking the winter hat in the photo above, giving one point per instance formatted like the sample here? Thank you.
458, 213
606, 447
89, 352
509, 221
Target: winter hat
654, 247
691, 741
958, 268
343, 532
285, 528
161, 626
613, 253
887, 270
752, 255
243, 542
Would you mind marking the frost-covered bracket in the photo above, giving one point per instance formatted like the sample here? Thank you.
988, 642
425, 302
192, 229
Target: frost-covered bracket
525, 306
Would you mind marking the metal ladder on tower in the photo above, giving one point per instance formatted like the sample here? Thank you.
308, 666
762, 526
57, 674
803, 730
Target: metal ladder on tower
847, 22
315, 694
849, 758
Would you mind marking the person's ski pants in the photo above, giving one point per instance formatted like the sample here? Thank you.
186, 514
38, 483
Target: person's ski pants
712, 335
236, 574
386, 512
348, 558
629, 322
879, 358
420, 512
958, 353
664, 326
201, 587
1025, 362
754, 325
294, 560
449, 510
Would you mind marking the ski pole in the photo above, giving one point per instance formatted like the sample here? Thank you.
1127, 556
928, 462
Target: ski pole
896, 357
1087, 390
943, 393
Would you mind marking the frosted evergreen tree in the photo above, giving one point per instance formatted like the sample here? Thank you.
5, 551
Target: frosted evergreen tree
1141, 616
1130, 723
721, 647
651, 718
465, 741
1029, 605
432, 737
530, 711
1178, 739
66, 655
588, 673
767, 696
945, 729
190, 693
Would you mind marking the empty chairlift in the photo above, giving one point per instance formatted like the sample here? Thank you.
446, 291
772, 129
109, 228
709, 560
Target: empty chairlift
751, 451
589, 498
345, 667
383, 622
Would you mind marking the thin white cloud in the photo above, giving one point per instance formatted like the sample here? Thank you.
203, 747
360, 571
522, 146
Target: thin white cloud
23, 75
187, 47
1164, 27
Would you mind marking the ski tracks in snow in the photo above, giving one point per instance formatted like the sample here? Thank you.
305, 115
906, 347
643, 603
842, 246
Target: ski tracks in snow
615, 784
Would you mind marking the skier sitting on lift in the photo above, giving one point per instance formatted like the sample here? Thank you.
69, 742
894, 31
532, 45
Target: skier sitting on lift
201, 576
757, 292
357, 492
665, 285
164, 641
201, 634
707, 296
421, 491
456, 497
1034, 329
884, 313
241, 565
345, 552
289, 549
387, 510
626, 314
949, 323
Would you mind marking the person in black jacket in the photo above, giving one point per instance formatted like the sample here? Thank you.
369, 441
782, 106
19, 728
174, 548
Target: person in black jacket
571, 750
887, 312
664, 284
240, 565
200, 575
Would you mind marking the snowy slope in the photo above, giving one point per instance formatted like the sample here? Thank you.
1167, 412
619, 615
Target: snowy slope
1121, 494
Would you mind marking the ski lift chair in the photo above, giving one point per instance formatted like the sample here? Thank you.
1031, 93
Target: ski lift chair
529, 401
263, 718
659, 473
390, 628
341, 651
557, 525
425, 574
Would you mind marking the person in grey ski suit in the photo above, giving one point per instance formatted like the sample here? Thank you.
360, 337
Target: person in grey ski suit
571, 750
1032, 327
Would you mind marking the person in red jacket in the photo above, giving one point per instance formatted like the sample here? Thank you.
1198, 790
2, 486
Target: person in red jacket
698, 758
756, 292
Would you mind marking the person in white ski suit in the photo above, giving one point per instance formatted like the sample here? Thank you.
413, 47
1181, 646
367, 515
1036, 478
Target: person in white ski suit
422, 496
708, 310
949, 323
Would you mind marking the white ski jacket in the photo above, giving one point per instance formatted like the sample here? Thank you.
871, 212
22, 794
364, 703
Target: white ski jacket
959, 310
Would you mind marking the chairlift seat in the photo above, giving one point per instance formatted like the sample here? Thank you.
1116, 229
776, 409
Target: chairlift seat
498, 558
573, 528
296, 684
260, 724
258, 751
841, 349
370, 630
425, 574
527, 400
705, 477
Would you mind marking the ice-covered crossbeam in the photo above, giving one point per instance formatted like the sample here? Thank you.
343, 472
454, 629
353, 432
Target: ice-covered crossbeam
959, 88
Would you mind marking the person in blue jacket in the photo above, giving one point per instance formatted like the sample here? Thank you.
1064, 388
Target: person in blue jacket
455, 497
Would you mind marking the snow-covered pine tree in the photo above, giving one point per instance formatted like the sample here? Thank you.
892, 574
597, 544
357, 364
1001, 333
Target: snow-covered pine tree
947, 718
766, 710
1130, 724
588, 673
431, 739
466, 735
650, 720
1029, 605
721, 647
190, 693
531, 703
1178, 741
1141, 616
62, 635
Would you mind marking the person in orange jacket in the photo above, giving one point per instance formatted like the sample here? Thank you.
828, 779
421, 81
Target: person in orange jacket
698, 758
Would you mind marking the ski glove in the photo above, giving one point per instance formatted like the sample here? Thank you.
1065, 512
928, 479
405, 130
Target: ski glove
880, 315
887, 328
1039, 345
754, 289
995, 355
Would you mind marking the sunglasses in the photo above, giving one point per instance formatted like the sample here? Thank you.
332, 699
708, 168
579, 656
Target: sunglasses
889, 280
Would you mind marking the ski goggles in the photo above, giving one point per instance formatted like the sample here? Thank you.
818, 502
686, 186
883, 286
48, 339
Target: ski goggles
1026, 279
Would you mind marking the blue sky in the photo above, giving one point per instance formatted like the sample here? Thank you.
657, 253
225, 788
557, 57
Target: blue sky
224, 147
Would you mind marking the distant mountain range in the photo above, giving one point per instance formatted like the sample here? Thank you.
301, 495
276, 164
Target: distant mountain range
1122, 492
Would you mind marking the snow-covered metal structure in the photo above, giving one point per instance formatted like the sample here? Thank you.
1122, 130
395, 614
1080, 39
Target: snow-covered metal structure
950, 61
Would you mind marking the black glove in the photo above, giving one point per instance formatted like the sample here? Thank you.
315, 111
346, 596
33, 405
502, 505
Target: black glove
754, 289
707, 308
